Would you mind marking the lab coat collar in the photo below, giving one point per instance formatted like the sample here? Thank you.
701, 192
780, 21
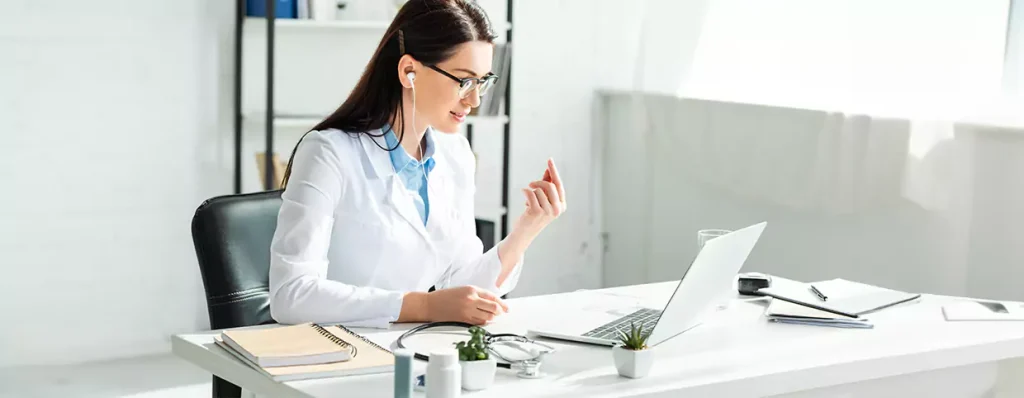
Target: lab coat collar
372, 143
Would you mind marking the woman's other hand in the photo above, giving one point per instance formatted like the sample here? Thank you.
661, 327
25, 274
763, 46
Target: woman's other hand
545, 201
468, 304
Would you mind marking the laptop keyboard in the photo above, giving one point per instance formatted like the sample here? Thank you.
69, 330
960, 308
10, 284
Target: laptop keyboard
645, 316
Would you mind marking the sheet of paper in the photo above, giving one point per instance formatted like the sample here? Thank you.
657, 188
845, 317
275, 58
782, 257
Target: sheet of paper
983, 310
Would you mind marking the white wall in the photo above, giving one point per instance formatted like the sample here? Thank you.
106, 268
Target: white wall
553, 70
110, 137
645, 45
1013, 69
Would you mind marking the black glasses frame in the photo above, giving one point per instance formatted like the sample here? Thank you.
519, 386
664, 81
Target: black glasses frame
465, 83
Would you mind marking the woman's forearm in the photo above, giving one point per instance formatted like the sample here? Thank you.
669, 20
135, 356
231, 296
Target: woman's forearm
511, 251
414, 308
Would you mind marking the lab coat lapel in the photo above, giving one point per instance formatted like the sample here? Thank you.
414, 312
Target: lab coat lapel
438, 224
399, 198
396, 195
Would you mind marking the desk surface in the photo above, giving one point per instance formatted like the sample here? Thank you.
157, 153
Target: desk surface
734, 352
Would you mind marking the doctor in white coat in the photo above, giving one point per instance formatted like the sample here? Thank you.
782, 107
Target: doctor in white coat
378, 199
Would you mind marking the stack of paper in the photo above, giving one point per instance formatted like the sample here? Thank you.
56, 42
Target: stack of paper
786, 312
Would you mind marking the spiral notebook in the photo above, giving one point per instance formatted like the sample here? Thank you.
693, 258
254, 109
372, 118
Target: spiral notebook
360, 356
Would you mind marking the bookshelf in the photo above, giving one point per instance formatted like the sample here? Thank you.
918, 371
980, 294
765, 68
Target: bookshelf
277, 123
312, 24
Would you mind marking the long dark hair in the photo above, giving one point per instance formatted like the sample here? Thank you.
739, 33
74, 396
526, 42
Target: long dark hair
429, 31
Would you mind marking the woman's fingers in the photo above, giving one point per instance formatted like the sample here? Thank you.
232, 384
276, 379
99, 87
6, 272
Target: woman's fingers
542, 197
531, 200
490, 296
480, 315
552, 171
552, 194
488, 306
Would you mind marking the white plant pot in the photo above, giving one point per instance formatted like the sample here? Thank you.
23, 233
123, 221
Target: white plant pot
632, 364
478, 375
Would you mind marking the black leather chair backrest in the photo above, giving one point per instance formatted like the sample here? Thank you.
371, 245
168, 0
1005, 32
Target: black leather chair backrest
232, 236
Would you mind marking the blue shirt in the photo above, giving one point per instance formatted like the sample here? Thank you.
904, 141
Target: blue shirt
413, 173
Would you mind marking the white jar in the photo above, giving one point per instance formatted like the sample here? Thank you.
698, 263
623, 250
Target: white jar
444, 375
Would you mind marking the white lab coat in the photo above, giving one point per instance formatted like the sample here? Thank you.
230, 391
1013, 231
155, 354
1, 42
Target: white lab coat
349, 241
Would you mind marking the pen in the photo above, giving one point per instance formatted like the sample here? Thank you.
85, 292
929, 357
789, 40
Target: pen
818, 293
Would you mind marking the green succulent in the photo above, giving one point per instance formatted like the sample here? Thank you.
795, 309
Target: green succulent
635, 339
474, 349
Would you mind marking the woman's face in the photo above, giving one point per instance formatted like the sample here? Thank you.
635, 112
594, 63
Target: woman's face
437, 96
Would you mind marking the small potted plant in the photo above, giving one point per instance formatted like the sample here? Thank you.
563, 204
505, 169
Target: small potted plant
632, 357
478, 366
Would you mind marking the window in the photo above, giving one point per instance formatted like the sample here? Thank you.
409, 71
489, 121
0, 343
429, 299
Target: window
904, 57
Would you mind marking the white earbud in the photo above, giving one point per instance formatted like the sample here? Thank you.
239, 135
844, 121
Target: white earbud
412, 78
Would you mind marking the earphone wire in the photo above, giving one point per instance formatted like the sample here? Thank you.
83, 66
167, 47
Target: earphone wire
447, 277
419, 145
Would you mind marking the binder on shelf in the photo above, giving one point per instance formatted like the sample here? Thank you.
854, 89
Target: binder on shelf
283, 9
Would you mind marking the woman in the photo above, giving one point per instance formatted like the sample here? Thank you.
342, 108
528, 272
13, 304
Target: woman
378, 199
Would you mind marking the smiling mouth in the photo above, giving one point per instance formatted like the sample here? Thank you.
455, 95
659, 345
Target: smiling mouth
458, 115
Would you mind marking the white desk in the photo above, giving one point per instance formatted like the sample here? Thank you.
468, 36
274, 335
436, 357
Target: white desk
912, 351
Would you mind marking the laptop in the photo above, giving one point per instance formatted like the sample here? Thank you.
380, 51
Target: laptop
707, 283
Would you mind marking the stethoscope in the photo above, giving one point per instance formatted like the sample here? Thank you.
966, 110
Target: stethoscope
527, 368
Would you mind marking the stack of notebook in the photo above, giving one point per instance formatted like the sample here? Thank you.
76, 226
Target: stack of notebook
842, 303
306, 351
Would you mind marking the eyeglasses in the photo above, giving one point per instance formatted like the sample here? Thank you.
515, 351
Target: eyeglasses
483, 84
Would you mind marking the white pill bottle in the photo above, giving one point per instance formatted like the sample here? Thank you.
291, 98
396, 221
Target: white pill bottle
444, 375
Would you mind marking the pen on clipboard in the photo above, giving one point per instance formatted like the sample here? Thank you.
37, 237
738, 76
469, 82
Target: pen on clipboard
821, 296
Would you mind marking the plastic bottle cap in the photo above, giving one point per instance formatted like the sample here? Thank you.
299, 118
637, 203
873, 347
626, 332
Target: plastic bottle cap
444, 356
402, 352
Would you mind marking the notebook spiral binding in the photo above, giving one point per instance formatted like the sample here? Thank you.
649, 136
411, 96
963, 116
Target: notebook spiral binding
335, 339
339, 341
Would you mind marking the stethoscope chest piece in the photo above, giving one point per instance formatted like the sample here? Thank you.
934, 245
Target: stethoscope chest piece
528, 369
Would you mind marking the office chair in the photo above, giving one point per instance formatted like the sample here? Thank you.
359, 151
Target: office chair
232, 235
